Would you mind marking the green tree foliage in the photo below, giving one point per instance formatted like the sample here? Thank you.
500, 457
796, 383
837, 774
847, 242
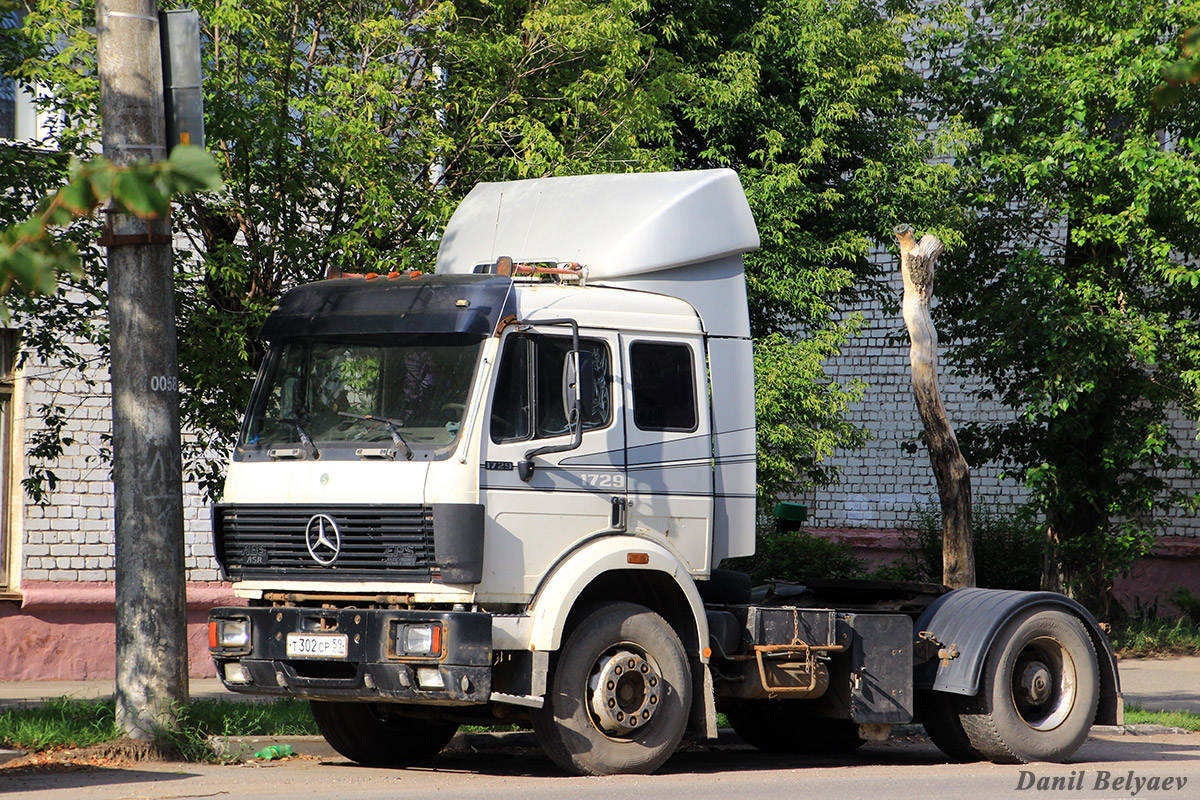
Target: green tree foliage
1179, 74
797, 556
1010, 548
49, 251
347, 132
31, 258
1075, 294
63, 329
809, 101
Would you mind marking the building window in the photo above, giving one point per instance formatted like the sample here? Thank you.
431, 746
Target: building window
8, 87
20, 119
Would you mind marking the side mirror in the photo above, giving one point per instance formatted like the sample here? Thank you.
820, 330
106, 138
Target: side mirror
578, 386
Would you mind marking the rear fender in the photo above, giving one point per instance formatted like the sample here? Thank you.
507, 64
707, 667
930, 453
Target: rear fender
969, 620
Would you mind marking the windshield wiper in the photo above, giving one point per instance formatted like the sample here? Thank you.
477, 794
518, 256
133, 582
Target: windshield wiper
304, 437
396, 437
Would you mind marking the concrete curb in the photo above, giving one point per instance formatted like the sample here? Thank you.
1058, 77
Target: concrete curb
1152, 730
9, 755
242, 748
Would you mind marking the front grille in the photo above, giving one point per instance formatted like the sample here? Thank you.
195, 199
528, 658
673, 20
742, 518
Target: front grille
393, 542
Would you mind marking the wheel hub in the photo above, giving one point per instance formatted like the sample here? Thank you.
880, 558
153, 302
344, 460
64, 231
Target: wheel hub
1036, 683
625, 692
1044, 683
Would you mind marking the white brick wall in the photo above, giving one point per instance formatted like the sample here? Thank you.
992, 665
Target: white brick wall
882, 485
71, 538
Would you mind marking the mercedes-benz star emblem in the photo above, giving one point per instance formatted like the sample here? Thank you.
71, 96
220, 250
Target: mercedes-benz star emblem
323, 538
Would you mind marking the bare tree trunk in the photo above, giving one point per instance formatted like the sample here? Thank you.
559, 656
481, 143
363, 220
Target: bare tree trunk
918, 262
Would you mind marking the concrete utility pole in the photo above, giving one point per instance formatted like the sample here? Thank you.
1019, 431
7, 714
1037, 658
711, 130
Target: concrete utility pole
918, 263
147, 475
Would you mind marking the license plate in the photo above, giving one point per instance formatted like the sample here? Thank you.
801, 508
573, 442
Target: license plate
317, 645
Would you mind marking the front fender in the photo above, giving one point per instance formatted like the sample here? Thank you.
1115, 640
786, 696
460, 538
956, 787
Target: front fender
971, 619
570, 576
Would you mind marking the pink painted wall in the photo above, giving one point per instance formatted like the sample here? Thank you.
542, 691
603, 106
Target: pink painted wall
67, 631
1175, 562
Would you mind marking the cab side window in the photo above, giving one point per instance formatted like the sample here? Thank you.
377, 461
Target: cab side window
528, 400
664, 386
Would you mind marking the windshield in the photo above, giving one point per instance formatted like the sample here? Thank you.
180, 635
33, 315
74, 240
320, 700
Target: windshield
355, 397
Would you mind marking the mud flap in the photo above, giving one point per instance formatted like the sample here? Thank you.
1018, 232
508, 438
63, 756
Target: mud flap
881, 666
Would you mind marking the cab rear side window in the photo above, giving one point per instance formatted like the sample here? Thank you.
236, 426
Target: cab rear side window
664, 386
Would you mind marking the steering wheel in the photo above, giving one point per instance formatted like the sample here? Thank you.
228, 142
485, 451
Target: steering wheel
453, 411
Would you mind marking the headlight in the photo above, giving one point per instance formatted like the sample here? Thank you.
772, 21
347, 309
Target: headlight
423, 640
229, 634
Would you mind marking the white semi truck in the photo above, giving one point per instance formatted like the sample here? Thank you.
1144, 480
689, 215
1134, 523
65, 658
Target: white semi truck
501, 492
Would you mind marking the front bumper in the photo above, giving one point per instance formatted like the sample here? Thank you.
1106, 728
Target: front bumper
372, 668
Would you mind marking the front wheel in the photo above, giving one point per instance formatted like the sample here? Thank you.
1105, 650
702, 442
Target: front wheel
619, 694
370, 733
1039, 691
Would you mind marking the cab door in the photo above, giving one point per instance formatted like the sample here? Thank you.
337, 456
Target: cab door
669, 444
570, 495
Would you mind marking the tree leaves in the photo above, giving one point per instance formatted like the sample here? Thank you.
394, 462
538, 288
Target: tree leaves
809, 101
1072, 297
346, 135
1177, 75
800, 413
31, 259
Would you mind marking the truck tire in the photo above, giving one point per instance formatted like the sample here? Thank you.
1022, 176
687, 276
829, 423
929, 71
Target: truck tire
619, 694
938, 712
779, 726
1039, 691
369, 734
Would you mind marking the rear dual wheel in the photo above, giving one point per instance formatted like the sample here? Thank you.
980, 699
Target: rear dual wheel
1037, 697
619, 694
938, 712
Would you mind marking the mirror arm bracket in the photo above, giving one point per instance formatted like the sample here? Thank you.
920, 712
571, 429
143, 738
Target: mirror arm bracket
525, 468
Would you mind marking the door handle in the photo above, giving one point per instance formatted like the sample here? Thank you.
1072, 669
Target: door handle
618, 513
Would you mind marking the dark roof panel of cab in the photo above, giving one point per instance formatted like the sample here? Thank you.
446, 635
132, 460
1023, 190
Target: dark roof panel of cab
405, 304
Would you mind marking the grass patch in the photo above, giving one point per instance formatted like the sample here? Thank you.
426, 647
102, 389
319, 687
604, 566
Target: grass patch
63, 722
1141, 636
67, 722
1135, 715
285, 717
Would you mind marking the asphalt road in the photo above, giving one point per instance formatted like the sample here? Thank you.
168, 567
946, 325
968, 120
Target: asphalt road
897, 769
1162, 684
